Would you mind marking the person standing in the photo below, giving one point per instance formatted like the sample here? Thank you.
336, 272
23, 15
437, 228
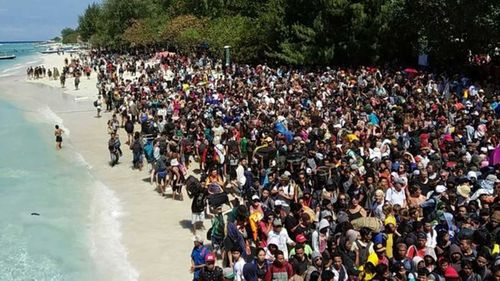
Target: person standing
77, 80
211, 272
282, 237
58, 133
98, 105
238, 264
198, 256
280, 270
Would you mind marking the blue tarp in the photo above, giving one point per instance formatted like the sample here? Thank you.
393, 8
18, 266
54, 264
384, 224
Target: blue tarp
280, 128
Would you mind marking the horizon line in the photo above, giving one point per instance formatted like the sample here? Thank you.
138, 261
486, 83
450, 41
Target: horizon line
21, 41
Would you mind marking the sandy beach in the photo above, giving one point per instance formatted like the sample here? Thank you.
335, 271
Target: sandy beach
156, 231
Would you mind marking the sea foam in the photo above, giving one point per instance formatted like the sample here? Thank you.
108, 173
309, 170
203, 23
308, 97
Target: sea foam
51, 117
105, 236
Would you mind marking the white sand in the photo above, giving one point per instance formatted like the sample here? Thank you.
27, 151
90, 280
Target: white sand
156, 231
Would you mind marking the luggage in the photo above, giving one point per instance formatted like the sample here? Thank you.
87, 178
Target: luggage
372, 223
193, 186
216, 200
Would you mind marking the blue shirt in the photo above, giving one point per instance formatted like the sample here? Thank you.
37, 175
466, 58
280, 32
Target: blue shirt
198, 256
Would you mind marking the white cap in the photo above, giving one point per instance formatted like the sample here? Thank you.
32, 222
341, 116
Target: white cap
471, 174
255, 197
440, 188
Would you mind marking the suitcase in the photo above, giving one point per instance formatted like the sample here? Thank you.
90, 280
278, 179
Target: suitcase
216, 200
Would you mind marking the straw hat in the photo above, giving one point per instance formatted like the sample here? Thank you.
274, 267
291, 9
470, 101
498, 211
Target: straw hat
464, 190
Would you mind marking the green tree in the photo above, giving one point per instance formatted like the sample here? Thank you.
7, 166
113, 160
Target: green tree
88, 22
69, 35
238, 32
183, 29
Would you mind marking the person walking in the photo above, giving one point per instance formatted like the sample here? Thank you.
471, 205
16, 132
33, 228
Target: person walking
58, 133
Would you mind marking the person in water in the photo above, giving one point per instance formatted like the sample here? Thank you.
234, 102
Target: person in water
58, 133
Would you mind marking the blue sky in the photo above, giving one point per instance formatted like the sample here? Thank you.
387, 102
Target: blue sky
38, 19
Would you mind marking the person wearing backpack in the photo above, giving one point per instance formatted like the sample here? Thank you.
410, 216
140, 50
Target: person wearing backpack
216, 232
129, 128
198, 210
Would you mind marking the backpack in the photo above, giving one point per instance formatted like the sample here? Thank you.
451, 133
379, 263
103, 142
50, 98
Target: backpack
363, 251
193, 186
136, 146
310, 270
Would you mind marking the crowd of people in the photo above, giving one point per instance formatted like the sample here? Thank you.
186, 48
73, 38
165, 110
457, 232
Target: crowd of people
336, 174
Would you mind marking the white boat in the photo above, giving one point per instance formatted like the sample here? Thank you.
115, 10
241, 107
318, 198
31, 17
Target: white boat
7, 57
52, 50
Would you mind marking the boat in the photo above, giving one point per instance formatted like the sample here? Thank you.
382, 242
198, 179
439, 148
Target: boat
52, 50
7, 57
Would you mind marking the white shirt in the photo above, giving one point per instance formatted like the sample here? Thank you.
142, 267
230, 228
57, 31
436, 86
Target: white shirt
283, 240
240, 175
337, 273
238, 269
396, 197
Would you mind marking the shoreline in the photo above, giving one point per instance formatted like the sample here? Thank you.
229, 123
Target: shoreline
154, 230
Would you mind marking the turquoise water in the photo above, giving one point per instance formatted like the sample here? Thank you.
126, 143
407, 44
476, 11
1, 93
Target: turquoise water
34, 178
77, 234
24, 57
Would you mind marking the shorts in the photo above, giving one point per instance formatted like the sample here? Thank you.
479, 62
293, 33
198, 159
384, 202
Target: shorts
58, 139
197, 217
162, 175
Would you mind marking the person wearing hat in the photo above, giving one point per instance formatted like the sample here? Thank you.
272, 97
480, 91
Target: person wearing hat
286, 190
315, 268
256, 205
320, 236
211, 272
250, 272
280, 234
198, 256
299, 259
301, 240
228, 274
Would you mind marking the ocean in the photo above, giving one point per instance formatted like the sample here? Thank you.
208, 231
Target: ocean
24, 52
58, 222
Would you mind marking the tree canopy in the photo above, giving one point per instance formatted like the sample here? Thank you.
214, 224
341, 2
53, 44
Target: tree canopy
300, 32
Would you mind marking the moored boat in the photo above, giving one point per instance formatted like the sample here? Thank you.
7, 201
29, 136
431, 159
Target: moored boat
7, 57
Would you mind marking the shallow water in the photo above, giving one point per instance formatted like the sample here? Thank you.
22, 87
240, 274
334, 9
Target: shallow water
36, 179
77, 234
